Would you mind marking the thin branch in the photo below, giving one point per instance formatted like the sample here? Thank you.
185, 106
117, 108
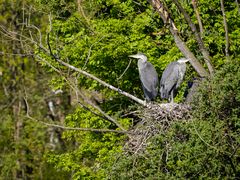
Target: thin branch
12, 35
209, 145
125, 70
237, 3
79, 129
49, 64
88, 109
39, 32
89, 51
226, 30
70, 128
81, 11
194, 3
15, 54
8, 105
130, 113
105, 115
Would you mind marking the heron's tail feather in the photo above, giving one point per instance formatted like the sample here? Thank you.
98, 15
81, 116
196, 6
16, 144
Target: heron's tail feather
163, 92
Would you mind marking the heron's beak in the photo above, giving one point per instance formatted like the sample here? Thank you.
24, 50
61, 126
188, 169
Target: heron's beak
134, 56
186, 60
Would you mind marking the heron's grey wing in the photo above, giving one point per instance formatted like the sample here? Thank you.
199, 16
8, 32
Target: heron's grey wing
169, 79
149, 79
148, 95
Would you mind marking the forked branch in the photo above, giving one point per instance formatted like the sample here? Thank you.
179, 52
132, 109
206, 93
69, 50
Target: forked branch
198, 38
162, 10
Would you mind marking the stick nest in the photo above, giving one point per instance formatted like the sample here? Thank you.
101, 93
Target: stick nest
155, 119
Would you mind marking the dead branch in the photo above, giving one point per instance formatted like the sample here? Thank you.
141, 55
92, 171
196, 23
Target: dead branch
77, 129
237, 4
104, 115
89, 51
194, 3
69, 128
226, 30
125, 70
162, 10
193, 27
81, 11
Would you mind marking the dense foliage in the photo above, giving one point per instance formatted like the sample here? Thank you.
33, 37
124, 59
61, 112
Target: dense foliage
97, 36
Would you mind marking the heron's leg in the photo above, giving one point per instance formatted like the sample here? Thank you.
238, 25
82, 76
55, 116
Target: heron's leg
145, 102
171, 97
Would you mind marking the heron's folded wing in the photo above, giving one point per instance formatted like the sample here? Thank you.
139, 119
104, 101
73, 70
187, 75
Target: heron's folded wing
170, 76
149, 78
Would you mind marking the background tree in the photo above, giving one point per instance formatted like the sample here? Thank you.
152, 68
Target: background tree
23, 83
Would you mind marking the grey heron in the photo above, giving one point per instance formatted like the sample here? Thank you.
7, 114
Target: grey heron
172, 78
148, 76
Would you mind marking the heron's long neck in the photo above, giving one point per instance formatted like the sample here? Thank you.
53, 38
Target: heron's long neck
142, 63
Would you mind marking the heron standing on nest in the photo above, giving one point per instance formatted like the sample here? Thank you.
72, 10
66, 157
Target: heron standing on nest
148, 76
172, 78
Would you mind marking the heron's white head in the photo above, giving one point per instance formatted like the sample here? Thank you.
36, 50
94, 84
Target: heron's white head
141, 56
183, 60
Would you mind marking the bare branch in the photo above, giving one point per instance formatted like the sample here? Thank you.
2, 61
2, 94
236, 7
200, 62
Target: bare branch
125, 69
79, 129
237, 3
90, 110
39, 32
12, 35
15, 54
89, 51
105, 116
194, 3
160, 8
49, 64
226, 30
81, 11
203, 49
70, 128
